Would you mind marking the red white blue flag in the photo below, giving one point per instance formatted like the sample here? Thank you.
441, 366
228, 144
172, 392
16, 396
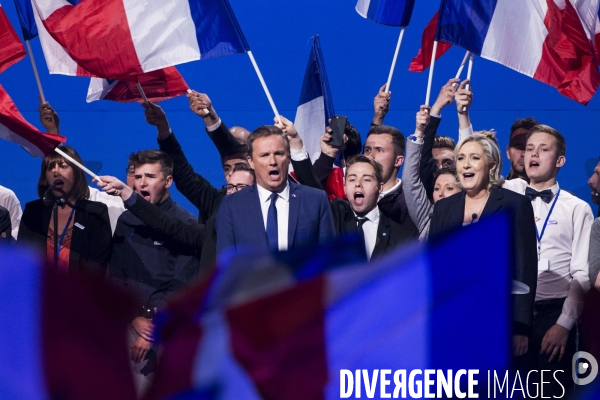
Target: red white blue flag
11, 48
386, 12
118, 38
14, 128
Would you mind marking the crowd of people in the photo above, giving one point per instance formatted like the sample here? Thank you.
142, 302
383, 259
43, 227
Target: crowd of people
275, 198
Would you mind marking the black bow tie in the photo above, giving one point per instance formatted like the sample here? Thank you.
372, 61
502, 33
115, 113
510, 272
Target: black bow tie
545, 195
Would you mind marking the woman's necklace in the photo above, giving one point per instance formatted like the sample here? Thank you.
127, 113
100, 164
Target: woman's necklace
476, 216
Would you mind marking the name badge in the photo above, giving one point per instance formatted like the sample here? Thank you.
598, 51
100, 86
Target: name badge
552, 222
543, 265
77, 224
158, 243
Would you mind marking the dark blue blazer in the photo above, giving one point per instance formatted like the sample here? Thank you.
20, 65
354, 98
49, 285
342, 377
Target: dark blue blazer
240, 221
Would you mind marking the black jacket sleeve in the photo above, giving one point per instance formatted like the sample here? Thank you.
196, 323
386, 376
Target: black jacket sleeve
180, 232
5, 226
305, 173
428, 166
223, 140
323, 167
192, 185
99, 239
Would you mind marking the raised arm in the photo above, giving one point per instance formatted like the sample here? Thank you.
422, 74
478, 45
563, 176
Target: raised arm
381, 106
417, 201
464, 98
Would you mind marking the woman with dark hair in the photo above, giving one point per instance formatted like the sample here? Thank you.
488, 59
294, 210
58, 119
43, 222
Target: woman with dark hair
82, 240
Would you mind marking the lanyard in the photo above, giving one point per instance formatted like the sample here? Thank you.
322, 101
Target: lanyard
62, 236
540, 236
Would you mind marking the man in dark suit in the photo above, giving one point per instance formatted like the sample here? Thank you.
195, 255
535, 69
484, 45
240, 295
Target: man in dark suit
274, 213
363, 185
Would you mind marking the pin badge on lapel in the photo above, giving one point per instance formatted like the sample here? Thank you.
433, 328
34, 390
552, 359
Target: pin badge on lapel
384, 234
293, 194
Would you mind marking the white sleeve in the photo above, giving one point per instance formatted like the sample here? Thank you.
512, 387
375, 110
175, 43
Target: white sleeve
13, 206
463, 133
114, 203
214, 127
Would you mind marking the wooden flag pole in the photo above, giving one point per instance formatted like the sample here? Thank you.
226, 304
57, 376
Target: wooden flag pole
75, 162
35, 72
462, 65
433, 53
389, 81
264, 85
469, 69
139, 88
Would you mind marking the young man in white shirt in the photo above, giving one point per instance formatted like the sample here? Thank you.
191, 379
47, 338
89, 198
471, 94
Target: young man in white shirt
563, 224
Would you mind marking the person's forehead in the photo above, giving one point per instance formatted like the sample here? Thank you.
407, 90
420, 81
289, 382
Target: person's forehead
379, 139
269, 141
471, 147
541, 138
148, 168
241, 177
361, 168
445, 179
443, 152
235, 160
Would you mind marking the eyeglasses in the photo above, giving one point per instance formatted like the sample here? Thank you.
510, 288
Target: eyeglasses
235, 188
130, 171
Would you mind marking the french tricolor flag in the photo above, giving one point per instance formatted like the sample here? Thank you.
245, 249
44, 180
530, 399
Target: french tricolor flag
14, 128
157, 85
11, 50
117, 38
551, 41
315, 106
386, 12
275, 330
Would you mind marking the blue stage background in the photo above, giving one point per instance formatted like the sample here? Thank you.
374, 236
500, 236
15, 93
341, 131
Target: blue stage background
357, 54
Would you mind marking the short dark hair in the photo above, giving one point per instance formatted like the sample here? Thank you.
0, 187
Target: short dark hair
525, 123
152, 157
243, 167
80, 190
266, 131
359, 158
444, 142
397, 136
354, 143
561, 144
448, 170
240, 151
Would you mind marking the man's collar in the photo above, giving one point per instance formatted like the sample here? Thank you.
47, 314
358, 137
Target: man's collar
372, 215
166, 203
396, 186
264, 194
554, 189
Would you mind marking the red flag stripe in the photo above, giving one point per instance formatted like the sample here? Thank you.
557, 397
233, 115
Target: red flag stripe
11, 50
423, 59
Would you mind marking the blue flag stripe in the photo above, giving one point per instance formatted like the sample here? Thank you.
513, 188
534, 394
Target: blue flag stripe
465, 23
391, 12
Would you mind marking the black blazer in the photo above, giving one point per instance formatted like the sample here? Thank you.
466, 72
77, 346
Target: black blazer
90, 246
390, 234
5, 226
448, 215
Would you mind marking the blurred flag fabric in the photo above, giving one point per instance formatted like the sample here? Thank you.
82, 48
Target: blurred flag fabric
268, 329
14, 128
422, 61
57, 58
386, 12
551, 41
11, 50
63, 335
157, 85
315, 106
118, 38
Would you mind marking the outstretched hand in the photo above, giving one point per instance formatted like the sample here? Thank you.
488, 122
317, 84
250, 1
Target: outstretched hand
463, 97
49, 118
156, 116
114, 187
445, 97
381, 105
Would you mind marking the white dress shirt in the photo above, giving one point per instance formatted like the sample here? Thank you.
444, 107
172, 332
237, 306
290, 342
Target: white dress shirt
370, 230
565, 244
396, 186
9, 200
283, 212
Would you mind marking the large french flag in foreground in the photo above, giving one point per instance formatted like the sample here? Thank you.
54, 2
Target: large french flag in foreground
14, 128
386, 12
157, 85
11, 49
117, 38
549, 40
271, 329
63, 335
315, 106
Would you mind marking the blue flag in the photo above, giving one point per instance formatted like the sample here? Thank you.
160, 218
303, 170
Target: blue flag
386, 12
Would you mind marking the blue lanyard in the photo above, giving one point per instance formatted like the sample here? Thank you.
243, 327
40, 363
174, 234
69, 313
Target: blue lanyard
539, 237
62, 236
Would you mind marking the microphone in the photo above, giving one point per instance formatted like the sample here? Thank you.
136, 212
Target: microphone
50, 199
473, 217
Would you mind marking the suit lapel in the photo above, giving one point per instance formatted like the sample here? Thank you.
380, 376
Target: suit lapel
383, 236
494, 203
456, 219
257, 224
77, 238
294, 210
349, 224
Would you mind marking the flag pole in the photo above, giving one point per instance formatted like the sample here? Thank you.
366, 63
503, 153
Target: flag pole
139, 88
389, 81
77, 163
264, 85
469, 69
462, 65
35, 72
206, 109
433, 53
